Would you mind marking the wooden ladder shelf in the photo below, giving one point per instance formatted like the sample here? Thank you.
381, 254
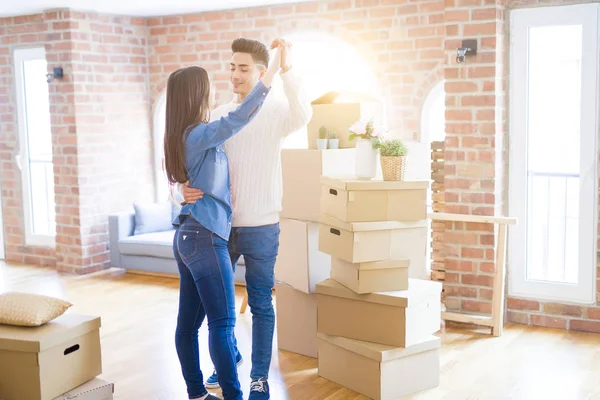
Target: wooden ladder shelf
496, 320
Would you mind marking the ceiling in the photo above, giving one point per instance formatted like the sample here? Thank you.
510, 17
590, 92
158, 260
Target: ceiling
145, 8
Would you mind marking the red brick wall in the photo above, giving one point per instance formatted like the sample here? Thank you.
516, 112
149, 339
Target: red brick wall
401, 40
100, 130
114, 143
475, 129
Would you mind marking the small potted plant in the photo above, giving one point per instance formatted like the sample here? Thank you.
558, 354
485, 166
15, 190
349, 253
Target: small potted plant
393, 154
334, 142
322, 140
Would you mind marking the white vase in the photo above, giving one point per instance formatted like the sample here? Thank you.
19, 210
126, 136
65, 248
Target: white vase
366, 160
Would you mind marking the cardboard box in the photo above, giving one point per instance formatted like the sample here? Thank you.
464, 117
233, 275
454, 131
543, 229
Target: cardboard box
296, 320
379, 276
358, 242
44, 362
398, 319
302, 170
96, 389
380, 372
353, 200
299, 263
339, 117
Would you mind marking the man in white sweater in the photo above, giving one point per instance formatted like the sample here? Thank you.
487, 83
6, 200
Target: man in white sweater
257, 190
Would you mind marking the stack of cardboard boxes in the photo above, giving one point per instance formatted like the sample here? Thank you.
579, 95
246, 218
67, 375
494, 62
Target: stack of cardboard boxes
58, 360
300, 265
378, 313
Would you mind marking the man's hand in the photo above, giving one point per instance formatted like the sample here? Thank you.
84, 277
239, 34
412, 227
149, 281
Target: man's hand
191, 195
285, 50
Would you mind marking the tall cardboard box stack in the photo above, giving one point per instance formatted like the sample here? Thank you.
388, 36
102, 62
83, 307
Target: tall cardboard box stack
377, 314
300, 264
58, 360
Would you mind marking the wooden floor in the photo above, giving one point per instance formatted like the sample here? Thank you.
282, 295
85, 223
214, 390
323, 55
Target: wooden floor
138, 315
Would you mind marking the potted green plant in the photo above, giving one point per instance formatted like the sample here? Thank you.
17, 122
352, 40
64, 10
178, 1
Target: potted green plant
322, 140
334, 142
393, 153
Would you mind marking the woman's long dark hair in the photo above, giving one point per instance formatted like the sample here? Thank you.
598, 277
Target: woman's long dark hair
188, 93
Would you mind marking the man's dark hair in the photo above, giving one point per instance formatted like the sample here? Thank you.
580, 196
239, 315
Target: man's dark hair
256, 49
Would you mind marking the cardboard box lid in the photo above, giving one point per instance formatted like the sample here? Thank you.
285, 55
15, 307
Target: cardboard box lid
95, 385
370, 226
55, 332
380, 352
387, 264
352, 183
418, 291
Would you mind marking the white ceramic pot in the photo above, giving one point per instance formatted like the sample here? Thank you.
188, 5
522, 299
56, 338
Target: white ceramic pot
322, 144
334, 143
366, 160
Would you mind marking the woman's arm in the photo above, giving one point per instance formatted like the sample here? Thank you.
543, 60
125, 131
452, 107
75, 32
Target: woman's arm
206, 136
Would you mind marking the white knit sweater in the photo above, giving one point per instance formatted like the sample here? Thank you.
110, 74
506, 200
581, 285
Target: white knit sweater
255, 153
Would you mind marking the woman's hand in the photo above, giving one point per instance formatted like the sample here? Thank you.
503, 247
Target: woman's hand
284, 49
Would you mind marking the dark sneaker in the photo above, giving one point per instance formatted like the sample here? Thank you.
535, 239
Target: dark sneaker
259, 390
213, 381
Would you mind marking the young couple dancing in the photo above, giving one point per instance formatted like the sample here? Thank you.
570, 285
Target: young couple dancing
228, 162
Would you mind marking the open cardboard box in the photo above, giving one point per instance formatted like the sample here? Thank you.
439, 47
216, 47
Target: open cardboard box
337, 112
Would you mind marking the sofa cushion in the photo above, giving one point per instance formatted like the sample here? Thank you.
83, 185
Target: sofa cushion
155, 244
155, 217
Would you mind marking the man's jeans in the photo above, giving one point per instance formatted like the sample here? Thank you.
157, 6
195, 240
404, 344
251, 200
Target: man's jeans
259, 246
206, 289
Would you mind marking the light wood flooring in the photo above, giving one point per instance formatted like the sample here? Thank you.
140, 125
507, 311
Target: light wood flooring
138, 317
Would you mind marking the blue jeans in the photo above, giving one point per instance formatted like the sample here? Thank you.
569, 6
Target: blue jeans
259, 245
206, 289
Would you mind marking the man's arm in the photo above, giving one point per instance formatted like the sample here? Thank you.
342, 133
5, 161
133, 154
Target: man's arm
297, 109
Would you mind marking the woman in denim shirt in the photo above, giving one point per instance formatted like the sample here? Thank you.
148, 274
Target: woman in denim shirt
193, 152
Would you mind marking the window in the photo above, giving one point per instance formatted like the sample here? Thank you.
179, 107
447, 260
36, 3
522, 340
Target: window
160, 175
433, 116
2, 255
553, 159
35, 158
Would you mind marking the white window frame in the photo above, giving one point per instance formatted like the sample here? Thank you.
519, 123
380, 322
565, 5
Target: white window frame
2, 244
588, 16
20, 56
158, 133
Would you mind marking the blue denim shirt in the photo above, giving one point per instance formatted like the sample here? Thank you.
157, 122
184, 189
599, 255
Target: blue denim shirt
208, 168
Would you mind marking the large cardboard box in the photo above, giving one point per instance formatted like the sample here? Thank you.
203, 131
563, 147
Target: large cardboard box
299, 263
398, 319
296, 320
380, 372
44, 362
379, 276
358, 242
339, 117
302, 170
353, 200
96, 389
